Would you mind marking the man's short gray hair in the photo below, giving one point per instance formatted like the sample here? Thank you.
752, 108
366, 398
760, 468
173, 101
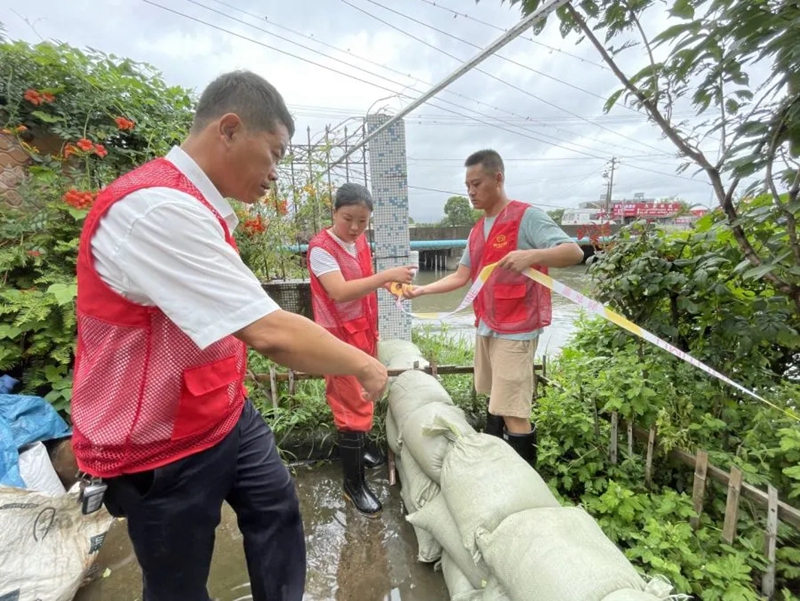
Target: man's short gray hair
256, 101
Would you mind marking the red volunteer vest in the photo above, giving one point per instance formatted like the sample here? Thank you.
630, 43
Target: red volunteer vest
509, 303
356, 321
144, 394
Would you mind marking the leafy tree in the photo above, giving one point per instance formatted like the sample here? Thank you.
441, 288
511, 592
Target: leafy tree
704, 59
556, 215
458, 211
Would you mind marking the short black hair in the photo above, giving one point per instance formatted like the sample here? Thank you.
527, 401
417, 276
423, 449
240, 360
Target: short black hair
351, 194
489, 159
256, 101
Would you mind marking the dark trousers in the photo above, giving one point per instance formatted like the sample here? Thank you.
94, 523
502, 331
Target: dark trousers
172, 513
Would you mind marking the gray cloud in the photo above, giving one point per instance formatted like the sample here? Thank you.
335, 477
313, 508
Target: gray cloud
563, 172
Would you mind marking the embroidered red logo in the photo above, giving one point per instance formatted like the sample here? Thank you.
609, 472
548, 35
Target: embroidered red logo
500, 241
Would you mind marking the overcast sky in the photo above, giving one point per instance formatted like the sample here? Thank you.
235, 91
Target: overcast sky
542, 112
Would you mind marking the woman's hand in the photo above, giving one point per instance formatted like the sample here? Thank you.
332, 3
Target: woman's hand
401, 275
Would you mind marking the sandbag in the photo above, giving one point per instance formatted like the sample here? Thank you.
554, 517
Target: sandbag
400, 354
427, 434
420, 488
46, 545
436, 519
460, 589
628, 594
392, 433
458, 585
428, 548
37, 471
412, 390
554, 554
484, 481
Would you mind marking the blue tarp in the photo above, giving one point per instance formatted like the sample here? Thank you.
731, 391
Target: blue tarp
24, 420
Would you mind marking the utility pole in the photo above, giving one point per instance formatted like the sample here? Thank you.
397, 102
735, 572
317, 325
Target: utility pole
609, 175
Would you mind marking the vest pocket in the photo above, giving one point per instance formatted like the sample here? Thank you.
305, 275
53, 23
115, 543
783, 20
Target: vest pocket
358, 333
204, 397
509, 302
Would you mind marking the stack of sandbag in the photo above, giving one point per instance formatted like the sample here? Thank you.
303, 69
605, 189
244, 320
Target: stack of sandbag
417, 403
488, 517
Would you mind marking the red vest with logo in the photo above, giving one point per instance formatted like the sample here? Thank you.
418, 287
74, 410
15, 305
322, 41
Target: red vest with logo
356, 321
509, 303
144, 394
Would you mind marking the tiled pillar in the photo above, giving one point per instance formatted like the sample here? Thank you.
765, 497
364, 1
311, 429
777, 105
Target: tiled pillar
389, 175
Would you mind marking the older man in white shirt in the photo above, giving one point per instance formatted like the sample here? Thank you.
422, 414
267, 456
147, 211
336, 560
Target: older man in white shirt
166, 311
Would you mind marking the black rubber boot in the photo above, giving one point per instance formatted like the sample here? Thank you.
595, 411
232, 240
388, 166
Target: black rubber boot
373, 457
351, 451
494, 425
524, 444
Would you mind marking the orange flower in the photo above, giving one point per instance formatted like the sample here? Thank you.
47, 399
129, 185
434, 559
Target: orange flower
255, 225
69, 150
100, 150
124, 124
79, 200
85, 145
48, 97
34, 253
282, 208
20, 128
33, 97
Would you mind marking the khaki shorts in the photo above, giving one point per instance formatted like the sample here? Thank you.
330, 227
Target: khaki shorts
504, 371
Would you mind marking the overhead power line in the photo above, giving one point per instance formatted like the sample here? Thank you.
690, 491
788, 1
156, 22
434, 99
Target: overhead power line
408, 108
492, 76
522, 37
537, 137
526, 120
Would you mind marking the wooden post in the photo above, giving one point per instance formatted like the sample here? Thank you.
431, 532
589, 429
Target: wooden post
273, 386
699, 487
292, 386
732, 506
630, 438
434, 369
648, 470
768, 582
612, 451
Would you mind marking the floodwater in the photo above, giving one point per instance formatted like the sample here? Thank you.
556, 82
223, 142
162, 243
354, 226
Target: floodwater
350, 558
556, 335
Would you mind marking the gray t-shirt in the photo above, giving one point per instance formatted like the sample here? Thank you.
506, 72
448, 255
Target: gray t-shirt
536, 230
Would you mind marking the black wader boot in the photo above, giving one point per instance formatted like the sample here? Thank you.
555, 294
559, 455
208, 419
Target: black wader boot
351, 451
524, 444
495, 424
373, 457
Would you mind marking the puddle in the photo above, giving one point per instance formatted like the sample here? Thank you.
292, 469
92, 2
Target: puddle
350, 558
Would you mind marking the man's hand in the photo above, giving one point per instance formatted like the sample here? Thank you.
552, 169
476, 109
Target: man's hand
518, 260
413, 292
373, 378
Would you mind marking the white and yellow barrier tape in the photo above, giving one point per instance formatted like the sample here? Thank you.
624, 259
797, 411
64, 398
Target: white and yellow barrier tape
594, 307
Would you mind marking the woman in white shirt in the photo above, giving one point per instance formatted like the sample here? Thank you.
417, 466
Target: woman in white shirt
343, 289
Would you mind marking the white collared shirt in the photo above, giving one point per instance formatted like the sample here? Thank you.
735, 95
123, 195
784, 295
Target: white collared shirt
161, 247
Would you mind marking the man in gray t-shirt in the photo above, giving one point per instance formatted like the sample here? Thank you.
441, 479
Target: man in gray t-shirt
510, 308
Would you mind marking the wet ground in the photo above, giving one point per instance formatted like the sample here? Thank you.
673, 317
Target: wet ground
350, 558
